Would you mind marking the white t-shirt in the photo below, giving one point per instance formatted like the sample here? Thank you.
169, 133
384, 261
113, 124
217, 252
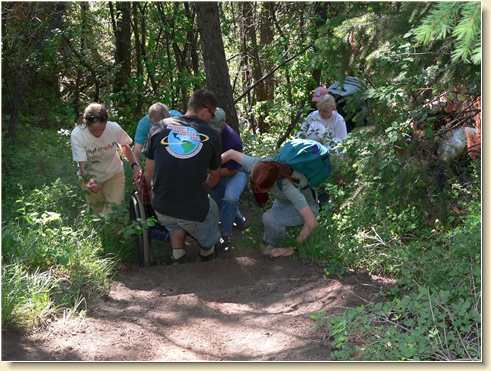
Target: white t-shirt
101, 154
328, 132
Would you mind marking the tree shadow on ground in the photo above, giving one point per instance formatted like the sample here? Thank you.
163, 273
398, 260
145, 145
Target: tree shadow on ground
16, 346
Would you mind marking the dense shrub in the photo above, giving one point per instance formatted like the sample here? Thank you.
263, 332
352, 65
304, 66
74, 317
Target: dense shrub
55, 254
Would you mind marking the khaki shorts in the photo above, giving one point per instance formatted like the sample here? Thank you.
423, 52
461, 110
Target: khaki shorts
112, 193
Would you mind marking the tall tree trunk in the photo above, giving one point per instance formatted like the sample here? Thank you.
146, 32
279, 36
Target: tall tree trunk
217, 75
192, 40
84, 8
138, 59
148, 66
179, 57
286, 47
121, 19
320, 20
167, 24
249, 14
246, 67
266, 38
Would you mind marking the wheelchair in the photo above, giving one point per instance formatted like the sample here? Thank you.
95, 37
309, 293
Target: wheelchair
350, 101
140, 210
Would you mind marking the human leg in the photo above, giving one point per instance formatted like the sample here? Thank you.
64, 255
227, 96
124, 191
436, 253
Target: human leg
277, 219
207, 232
230, 206
177, 235
218, 192
113, 191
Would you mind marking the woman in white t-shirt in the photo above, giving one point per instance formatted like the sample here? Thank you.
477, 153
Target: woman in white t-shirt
95, 147
325, 125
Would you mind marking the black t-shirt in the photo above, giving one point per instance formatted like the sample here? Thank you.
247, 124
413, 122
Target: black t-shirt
183, 149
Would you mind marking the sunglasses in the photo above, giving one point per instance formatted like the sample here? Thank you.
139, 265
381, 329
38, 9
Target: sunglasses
92, 119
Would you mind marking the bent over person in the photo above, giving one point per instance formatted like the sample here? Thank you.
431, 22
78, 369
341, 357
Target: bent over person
95, 147
295, 202
179, 156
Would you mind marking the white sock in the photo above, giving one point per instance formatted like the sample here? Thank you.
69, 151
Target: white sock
207, 252
178, 253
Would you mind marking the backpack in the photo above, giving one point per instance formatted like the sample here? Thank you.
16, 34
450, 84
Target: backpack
308, 157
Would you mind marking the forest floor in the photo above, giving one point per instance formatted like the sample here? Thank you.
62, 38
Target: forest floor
239, 307
243, 307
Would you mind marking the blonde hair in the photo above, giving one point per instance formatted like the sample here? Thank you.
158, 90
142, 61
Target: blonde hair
326, 101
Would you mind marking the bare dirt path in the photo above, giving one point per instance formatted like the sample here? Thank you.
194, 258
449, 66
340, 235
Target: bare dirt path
241, 307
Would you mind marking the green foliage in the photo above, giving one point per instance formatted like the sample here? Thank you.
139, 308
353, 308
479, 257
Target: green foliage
461, 21
440, 320
71, 251
388, 211
45, 158
26, 297
55, 254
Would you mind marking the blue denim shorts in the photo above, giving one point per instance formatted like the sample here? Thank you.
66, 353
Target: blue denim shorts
207, 232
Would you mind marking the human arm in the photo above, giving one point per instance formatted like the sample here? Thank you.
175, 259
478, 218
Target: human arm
135, 165
212, 179
226, 172
141, 135
233, 155
340, 131
124, 141
310, 223
214, 173
137, 150
149, 169
79, 155
87, 180
298, 200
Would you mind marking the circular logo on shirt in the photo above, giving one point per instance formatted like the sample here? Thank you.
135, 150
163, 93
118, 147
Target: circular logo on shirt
184, 141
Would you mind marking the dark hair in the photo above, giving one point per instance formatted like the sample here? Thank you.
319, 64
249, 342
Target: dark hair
266, 173
95, 112
203, 98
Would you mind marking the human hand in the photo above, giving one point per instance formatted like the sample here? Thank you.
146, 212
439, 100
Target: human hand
213, 179
93, 186
306, 231
137, 173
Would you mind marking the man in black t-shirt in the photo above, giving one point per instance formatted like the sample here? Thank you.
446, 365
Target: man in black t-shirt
183, 159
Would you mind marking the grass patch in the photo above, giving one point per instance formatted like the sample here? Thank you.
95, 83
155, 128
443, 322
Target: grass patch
55, 254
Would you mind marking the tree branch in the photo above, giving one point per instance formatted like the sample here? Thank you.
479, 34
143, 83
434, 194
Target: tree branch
271, 72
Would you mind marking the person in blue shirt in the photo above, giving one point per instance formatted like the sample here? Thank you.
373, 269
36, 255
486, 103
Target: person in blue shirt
156, 112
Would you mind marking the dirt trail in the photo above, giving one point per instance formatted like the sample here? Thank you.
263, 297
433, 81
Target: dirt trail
241, 307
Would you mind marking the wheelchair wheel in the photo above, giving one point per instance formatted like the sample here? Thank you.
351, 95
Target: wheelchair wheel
142, 241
